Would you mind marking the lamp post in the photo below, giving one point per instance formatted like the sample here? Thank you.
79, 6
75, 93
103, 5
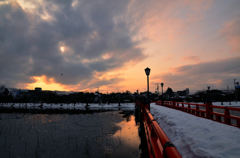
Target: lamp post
162, 87
162, 91
147, 71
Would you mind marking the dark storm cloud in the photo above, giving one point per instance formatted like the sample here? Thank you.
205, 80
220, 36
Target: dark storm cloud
30, 41
218, 73
14, 51
222, 66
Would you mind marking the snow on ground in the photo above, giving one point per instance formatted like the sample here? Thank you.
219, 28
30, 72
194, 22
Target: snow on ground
232, 103
197, 137
78, 106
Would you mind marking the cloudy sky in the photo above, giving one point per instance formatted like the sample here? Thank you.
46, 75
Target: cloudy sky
82, 45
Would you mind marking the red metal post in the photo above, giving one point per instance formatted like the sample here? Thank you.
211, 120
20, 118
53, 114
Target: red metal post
197, 110
189, 108
177, 105
218, 118
209, 111
238, 123
174, 104
227, 119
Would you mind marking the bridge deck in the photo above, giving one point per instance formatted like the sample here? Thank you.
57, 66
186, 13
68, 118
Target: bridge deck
196, 136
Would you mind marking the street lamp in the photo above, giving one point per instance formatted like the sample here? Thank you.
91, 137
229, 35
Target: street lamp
162, 89
147, 71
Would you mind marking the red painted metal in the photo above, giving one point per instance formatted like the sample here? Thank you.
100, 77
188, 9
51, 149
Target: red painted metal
224, 115
157, 140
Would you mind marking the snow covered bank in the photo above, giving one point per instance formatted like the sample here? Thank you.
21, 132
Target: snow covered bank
78, 106
198, 137
232, 103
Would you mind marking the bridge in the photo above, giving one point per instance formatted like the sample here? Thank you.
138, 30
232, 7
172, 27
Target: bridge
159, 145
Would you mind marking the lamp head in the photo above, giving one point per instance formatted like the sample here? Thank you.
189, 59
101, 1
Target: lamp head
147, 71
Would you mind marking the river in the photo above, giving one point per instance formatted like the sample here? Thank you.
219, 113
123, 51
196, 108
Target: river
87, 135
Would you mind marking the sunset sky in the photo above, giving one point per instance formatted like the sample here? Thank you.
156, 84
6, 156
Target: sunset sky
85, 45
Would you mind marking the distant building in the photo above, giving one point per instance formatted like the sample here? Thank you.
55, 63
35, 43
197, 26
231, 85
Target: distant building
237, 86
2, 89
38, 89
184, 92
237, 90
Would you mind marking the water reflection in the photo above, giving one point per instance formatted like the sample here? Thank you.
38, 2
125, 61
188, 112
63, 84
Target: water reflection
43, 119
127, 132
100, 135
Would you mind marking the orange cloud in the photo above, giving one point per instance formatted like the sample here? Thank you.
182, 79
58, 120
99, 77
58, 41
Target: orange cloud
169, 21
46, 83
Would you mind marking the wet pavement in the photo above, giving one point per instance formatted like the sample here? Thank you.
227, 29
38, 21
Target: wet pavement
89, 135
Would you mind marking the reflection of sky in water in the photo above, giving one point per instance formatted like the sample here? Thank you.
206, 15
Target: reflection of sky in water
44, 118
127, 132
106, 134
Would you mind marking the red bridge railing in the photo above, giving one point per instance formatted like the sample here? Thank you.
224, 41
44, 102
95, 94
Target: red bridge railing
222, 114
159, 145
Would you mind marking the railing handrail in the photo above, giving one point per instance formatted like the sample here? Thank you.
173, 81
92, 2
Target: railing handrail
158, 142
207, 112
204, 105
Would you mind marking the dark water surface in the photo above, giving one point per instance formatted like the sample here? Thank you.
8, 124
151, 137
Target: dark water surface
96, 135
